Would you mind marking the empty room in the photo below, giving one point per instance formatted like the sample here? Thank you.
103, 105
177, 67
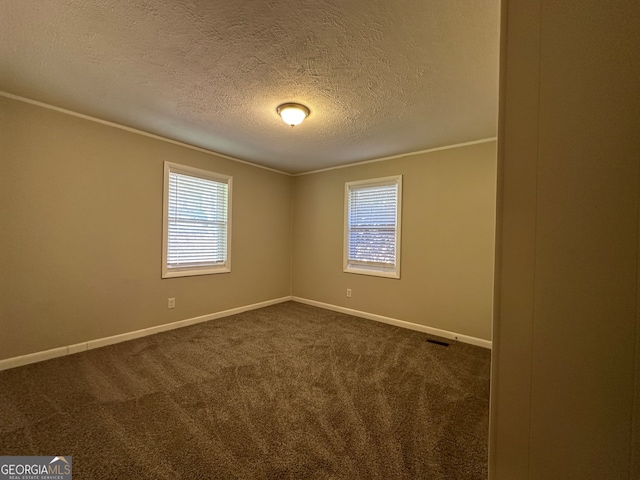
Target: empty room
330, 240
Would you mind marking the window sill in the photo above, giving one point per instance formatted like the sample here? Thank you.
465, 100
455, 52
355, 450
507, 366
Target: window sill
191, 272
372, 271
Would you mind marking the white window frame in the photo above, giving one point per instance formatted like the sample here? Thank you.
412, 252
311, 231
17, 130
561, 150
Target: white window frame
351, 266
207, 175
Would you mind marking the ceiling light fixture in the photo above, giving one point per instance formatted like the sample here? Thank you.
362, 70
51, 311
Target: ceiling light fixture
293, 113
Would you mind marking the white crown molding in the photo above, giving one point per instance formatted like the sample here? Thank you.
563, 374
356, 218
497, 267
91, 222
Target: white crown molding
222, 155
401, 155
135, 130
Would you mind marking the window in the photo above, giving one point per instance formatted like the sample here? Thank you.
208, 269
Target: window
197, 222
372, 227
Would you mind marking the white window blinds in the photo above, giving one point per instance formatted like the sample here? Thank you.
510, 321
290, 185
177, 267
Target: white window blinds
196, 222
372, 226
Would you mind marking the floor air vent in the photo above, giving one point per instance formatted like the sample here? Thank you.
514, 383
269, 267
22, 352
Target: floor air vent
438, 342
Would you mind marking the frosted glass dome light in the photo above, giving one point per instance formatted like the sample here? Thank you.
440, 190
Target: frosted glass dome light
293, 113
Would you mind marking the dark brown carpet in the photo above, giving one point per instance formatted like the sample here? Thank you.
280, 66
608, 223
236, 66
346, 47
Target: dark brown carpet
284, 392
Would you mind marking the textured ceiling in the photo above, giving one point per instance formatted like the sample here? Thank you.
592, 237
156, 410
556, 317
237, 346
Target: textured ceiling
381, 77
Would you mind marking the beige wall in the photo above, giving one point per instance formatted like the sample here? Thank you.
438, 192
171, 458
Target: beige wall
447, 240
82, 220
81, 226
567, 336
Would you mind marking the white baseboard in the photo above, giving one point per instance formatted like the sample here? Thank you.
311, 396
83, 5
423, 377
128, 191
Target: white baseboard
398, 323
102, 342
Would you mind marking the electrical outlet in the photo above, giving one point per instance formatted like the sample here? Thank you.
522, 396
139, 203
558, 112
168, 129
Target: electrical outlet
348, 292
171, 303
